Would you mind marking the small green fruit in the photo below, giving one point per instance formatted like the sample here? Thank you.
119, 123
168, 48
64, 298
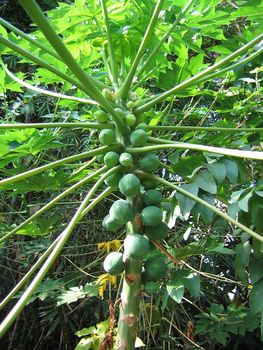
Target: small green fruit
142, 126
149, 163
111, 159
130, 185
136, 246
107, 137
126, 159
158, 232
113, 180
101, 116
130, 119
110, 224
134, 96
120, 112
152, 215
114, 264
155, 268
151, 287
107, 94
138, 137
130, 104
149, 183
121, 211
152, 197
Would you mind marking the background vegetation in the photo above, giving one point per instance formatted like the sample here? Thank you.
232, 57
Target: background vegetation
213, 297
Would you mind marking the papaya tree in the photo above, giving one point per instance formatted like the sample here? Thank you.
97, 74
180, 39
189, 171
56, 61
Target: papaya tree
132, 63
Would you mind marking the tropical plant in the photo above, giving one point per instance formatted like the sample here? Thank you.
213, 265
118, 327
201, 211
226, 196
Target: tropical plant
152, 80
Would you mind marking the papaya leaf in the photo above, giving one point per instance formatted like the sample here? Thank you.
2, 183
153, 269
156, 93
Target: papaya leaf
175, 289
186, 204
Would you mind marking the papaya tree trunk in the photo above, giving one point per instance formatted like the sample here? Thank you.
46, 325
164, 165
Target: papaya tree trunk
130, 305
131, 290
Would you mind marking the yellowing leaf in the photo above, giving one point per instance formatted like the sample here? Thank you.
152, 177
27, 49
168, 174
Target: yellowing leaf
102, 281
110, 245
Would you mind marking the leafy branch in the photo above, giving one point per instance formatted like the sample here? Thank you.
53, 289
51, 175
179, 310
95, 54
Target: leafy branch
184, 145
42, 258
86, 125
53, 202
196, 78
147, 36
204, 203
40, 20
16, 310
112, 56
47, 92
55, 164
165, 37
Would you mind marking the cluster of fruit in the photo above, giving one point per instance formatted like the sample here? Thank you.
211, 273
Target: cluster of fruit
136, 245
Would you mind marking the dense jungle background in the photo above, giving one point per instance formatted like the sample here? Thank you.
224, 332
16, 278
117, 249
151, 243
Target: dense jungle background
219, 305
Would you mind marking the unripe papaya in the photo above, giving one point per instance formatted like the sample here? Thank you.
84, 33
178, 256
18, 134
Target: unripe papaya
113, 180
130, 185
111, 159
100, 158
151, 287
109, 95
130, 104
130, 119
110, 224
121, 211
138, 137
120, 112
149, 163
152, 215
126, 159
107, 137
152, 197
142, 126
136, 246
113, 263
155, 268
149, 183
101, 116
166, 206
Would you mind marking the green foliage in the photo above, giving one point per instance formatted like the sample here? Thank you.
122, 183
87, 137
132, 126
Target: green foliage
209, 272
221, 323
75, 293
158, 232
16, 144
